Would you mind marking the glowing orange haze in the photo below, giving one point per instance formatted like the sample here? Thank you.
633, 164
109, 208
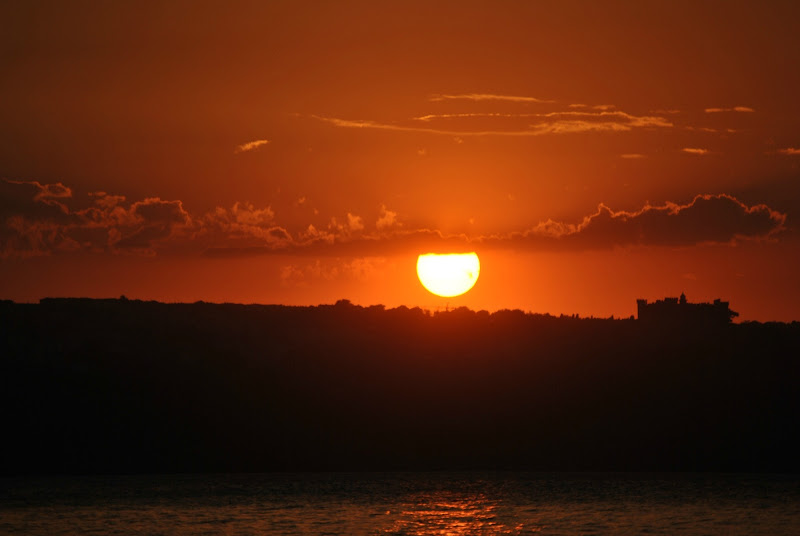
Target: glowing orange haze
303, 153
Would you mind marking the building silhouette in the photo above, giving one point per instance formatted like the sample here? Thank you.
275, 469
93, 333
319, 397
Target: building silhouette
680, 311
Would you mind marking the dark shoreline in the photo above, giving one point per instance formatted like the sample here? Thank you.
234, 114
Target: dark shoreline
124, 386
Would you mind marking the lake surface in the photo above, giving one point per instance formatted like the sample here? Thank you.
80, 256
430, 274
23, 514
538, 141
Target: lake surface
402, 504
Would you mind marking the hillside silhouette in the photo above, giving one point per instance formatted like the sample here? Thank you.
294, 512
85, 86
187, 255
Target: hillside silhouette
122, 386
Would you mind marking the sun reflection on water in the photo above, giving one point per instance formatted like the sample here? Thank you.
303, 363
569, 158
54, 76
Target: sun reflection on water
444, 513
407, 504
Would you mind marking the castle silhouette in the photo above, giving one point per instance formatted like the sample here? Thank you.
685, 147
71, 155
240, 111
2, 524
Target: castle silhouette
679, 311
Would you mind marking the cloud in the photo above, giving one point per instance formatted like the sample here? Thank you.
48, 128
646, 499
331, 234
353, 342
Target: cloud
632, 156
300, 274
720, 219
553, 120
155, 211
789, 151
107, 201
602, 107
247, 214
604, 114
354, 223
487, 115
477, 97
39, 219
744, 109
483, 115
33, 218
622, 117
337, 243
241, 225
33, 224
709, 218
387, 219
705, 129
32, 200
564, 122
279, 233
575, 126
52, 191
434, 117
153, 219
357, 269
250, 145
695, 150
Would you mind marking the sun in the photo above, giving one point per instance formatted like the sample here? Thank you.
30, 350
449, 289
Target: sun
449, 274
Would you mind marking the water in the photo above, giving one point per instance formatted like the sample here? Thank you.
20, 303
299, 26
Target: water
402, 504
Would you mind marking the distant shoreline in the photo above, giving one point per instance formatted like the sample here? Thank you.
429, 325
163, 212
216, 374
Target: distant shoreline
431, 312
127, 386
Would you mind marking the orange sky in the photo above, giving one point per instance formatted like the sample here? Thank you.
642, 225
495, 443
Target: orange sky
292, 152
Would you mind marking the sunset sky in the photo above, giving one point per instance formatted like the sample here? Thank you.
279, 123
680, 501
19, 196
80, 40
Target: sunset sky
293, 152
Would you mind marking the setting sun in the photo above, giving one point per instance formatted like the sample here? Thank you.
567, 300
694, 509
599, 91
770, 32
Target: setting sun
450, 274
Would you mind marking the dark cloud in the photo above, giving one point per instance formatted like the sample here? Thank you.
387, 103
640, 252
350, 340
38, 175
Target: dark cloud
154, 211
155, 220
143, 237
33, 201
36, 219
56, 190
706, 219
40, 219
33, 219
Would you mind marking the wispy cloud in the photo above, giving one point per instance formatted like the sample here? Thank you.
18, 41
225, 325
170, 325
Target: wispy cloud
250, 145
602, 107
434, 117
375, 125
515, 121
547, 123
634, 120
745, 109
712, 130
790, 151
576, 126
632, 156
302, 273
695, 150
468, 118
487, 97
702, 129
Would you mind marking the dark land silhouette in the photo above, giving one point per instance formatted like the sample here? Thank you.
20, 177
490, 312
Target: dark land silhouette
681, 311
126, 386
